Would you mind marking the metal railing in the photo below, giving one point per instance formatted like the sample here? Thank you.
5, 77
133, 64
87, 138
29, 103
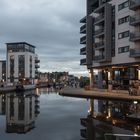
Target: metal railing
99, 44
83, 39
134, 3
99, 57
134, 36
83, 28
134, 52
83, 50
83, 61
135, 19
100, 17
99, 31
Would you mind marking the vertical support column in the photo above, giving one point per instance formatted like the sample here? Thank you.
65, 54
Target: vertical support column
100, 79
138, 92
91, 78
110, 80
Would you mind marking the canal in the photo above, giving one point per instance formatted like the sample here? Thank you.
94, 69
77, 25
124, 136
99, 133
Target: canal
40, 115
44, 114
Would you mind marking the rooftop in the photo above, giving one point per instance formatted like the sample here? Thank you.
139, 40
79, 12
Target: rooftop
13, 43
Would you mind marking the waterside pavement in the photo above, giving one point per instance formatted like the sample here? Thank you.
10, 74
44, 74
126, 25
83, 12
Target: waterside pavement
98, 94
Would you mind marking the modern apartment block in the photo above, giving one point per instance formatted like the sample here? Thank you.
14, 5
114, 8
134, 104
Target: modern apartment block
111, 39
2, 71
22, 63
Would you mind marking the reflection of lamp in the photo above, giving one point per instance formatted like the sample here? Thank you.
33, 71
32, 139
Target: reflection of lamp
138, 74
135, 102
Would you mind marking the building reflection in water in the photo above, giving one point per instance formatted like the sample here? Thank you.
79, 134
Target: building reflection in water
21, 110
112, 120
2, 104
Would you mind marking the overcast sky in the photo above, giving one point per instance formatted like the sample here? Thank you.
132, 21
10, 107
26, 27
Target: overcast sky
51, 25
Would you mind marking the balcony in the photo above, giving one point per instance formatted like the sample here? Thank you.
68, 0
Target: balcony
83, 40
37, 61
135, 20
99, 45
83, 51
135, 52
83, 29
99, 32
37, 66
83, 61
99, 58
134, 4
135, 36
36, 71
99, 19
83, 20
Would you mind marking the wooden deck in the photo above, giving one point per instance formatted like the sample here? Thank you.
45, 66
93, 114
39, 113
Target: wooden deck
95, 94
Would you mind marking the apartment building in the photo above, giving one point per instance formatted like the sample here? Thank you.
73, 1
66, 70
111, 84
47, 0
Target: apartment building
21, 112
111, 39
22, 63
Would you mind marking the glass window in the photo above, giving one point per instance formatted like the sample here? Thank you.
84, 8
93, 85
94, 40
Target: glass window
123, 49
123, 35
123, 5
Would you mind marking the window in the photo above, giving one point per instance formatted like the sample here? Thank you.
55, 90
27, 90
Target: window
123, 5
123, 49
123, 35
123, 20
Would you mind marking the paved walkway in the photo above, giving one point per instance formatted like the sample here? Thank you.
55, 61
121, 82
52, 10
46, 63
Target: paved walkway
94, 94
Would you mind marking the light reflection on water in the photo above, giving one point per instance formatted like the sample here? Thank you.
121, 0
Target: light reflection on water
113, 120
43, 114
56, 118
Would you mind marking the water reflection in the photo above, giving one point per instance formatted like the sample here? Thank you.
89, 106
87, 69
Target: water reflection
21, 110
112, 120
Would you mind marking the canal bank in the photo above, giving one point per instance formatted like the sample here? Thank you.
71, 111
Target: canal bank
121, 95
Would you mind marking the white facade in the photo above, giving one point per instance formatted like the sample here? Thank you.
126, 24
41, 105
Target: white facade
27, 66
24, 70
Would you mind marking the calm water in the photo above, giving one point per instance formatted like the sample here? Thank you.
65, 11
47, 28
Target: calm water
46, 116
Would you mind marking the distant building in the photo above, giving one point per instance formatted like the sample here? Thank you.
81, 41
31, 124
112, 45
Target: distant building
22, 63
53, 77
111, 39
3, 70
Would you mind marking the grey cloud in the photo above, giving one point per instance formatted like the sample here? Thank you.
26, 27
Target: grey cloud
52, 26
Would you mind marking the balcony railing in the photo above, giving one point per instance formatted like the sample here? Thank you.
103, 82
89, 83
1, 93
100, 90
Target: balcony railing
135, 52
134, 4
135, 36
99, 18
83, 51
83, 61
83, 29
37, 61
99, 32
99, 44
83, 20
98, 58
37, 66
83, 40
134, 20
